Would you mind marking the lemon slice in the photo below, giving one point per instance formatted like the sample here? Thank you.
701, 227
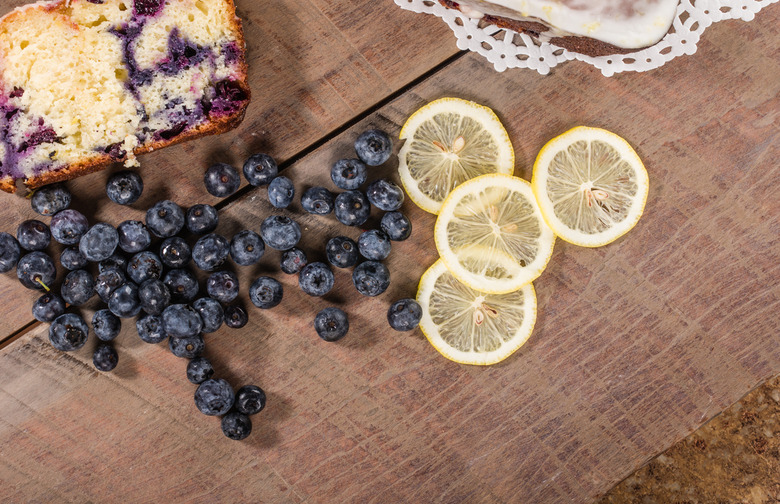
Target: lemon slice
491, 235
448, 142
469, 326
591, 186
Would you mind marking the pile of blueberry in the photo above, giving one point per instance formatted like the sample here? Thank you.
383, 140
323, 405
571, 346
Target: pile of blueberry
142, 270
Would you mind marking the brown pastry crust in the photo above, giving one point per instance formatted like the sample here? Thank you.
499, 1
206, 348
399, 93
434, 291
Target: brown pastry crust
582, 45
102, 161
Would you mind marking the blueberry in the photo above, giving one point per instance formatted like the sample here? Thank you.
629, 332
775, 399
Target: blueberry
78, 287
236, 426
396, 226
222, 286
182, 284
373, 147
211, 313
374, 245
154, 296
36, 270
106, 325
265, 292
48, 307
235, 317
99, 242
9, 252
214, 396
293, 261
201, 219
187, 347
105, 357
114, 261
133, 236
317, 200
150, 329
107, 281
68, 226
68, 332
165, 219
250, 400
331, 324
124, 187
210, 251
146, 7
281, 192
371, 278
404, 314
144, 266
280, 233
175, 253
260, 169
316, 279
352, 208
348, 174
246, 247
199, 369
181, 321
123, 301
50, 199
385, 195
33, 235
71, 259
342, 252
222, 180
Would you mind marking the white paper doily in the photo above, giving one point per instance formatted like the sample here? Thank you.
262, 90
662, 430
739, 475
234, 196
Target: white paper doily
508, 49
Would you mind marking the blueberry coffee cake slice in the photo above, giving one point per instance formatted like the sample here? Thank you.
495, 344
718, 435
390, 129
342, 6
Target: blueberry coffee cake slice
84, 83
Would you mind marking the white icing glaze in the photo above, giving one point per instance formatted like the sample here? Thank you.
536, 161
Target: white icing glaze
624, 23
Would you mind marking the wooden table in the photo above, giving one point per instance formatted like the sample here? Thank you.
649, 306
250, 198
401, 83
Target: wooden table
636, 344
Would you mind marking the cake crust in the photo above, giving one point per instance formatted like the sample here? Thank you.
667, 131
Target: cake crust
212, 126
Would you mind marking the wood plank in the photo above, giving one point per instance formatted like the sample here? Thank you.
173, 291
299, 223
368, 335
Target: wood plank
636, 344
312, 67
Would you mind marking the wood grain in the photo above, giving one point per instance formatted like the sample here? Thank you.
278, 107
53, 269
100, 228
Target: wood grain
636, 343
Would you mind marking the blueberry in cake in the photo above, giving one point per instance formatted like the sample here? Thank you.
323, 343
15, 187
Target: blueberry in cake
592, 27
84, 83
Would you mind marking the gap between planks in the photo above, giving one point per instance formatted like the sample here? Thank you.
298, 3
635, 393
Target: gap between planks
312, 147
